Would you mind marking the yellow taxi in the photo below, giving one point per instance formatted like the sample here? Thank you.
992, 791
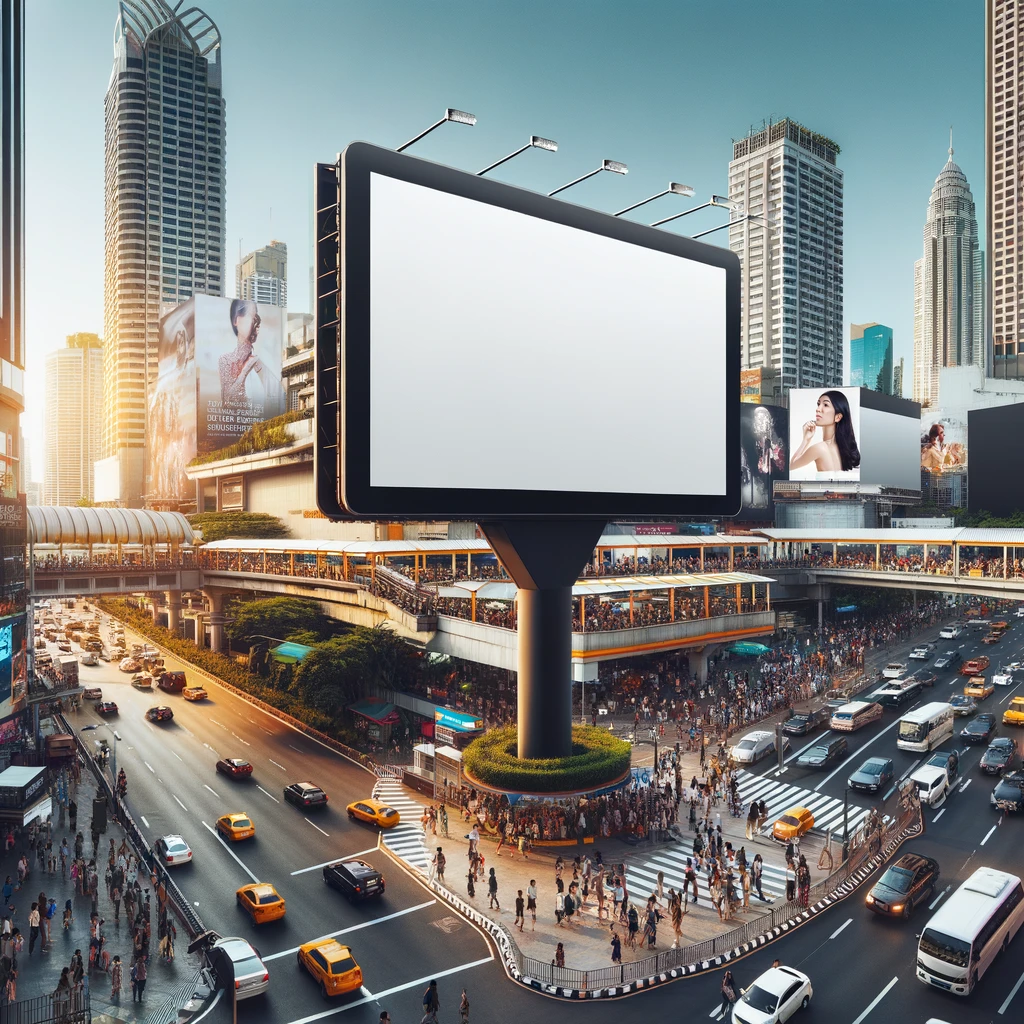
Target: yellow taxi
332, 965
194, 693
1014, 714
374, 812
236, 827
979, 688
261, 901
793, 824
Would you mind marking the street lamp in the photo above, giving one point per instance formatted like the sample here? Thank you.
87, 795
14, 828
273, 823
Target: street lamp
450, 114
606, 165
536, 142
674, 188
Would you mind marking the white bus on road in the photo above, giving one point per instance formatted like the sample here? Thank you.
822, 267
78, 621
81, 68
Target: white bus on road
964, 935
926, 727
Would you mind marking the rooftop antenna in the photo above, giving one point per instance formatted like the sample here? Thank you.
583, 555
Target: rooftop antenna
950, 142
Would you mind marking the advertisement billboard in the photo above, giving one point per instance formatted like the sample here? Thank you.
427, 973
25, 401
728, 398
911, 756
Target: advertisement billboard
764, 458
890, 432
943, 443
996, 485
219, 372
824, 432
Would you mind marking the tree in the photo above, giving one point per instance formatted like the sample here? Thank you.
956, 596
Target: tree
331, 675
280, 618
231, 525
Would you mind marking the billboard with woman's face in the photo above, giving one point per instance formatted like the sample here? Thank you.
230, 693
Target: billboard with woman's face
824, 428
943, 443
764, 435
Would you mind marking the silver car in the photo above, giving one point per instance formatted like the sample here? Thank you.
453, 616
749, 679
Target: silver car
235, 962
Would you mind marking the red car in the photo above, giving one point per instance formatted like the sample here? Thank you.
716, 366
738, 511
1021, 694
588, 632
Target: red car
235, 767
106, 707
161, 713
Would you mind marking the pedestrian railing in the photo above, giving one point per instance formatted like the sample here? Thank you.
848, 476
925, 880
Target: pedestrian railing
71, 1008
389, 771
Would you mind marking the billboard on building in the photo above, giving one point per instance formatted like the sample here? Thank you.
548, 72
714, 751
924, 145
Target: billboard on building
889, 440
764, 439
943, 443
218, 374
824, 434
996, 485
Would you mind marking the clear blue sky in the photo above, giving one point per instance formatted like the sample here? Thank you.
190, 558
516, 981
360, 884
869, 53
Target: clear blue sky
663, 85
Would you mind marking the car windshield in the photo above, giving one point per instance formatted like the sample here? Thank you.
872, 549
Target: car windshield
871, 768
897, 879
343, 966
746, 744
816, 752
387, 812
269, 897
242, 822
250, 965
177, 846
945, 947
760, 999
788, 819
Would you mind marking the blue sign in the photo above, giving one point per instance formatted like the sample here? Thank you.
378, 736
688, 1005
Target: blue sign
457, 720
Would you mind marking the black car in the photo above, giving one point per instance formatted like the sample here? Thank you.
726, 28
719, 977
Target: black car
948, 759
802, 722
355, 879
1009, 792
875, 774
923, 677
161, 713
1001, 756
949, 659
106, 707
980, 730
821, 755
908, 882
305, 794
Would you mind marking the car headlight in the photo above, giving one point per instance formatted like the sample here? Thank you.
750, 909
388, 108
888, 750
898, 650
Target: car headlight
896, 908
869, 898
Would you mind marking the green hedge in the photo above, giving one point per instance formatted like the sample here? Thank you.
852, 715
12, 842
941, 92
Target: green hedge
260, 437
597, 760
234, 525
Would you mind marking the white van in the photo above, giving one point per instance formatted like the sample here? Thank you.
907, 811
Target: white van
932, 783
754, 746
893, 670
949, 632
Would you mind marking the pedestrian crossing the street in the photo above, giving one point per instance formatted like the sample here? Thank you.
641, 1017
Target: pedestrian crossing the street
779, 797
407, 839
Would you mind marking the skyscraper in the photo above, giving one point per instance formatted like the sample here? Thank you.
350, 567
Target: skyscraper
948, 285
897, 379
262, 275
788, 174
1004, 202
73, 419
871, 357
164, 192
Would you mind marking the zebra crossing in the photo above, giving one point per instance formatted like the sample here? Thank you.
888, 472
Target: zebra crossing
407, 839
778, 797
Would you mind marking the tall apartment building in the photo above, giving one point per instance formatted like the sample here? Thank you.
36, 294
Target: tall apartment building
788, 175
262, 275
897, 379
73, 419
164, 190
871, 357
1004, 200
948, 285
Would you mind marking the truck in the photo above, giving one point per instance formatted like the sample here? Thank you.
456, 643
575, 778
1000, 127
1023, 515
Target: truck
67, 671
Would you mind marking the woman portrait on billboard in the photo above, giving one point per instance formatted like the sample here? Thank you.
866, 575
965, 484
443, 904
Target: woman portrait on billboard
836, 451
235, 367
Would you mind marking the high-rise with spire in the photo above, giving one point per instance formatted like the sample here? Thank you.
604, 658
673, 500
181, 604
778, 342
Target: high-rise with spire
164, 189
949, 323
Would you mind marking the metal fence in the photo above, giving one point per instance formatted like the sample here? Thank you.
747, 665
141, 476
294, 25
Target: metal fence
72, 1008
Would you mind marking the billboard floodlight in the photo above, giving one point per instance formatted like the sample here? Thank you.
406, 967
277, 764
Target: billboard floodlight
450, 114
673, 187
536, 142
606, 165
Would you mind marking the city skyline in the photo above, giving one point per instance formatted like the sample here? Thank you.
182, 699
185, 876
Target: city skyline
673, 117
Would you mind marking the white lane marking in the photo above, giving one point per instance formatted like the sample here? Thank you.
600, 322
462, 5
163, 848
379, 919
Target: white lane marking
841, 928
265, 793
281, 766
319, 829
216, 835
938, 899
215, 722
179, 803
347, 856
205, 786
966, 784
858, 751
392, 991
874, 1002
177, 755
144, 822
939, 815
295, 748
149, 766
1013, 992
988, 834
240, 740
354, 928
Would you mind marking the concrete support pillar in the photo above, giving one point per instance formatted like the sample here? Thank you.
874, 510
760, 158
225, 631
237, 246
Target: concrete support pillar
699, 658
215, 598
821, 612
173, 598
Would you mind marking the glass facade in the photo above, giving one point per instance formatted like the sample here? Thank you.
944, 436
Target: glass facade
871, 357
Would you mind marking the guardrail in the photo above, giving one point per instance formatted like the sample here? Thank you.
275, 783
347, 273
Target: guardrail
72, 1008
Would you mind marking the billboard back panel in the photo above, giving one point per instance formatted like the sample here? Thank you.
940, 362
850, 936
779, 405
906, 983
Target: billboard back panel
764, 435
890, 446
996, 484
824, 434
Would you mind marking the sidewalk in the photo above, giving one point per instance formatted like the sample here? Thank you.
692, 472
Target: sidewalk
39, 972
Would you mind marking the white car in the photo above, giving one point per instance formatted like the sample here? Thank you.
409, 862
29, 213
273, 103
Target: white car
949, 632
235, 963
754, 746
893, 670
774, 997
130, 665
173, 850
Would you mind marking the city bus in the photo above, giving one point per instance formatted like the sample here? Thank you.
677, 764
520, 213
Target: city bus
925, 728
964, 935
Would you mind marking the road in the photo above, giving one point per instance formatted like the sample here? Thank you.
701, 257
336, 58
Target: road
862, 967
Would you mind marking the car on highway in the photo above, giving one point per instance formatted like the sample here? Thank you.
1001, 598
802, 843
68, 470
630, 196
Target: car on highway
106, 707
948, 760
992, 638
235, 767
373, 812
355, 879
963, 706
922, 652
948, 659
238, 968
305, 794
236, 827
92, 693
802, 722
261, 901
876, 773
88, 658
1014, 713
129, 665
792, 824
950, 632
896, 695
821, 755
979, 688
932, 782
1009, 792
194, 693
755, 745
161, 713
905, 884
332, 966
173, 850
1000, 626
774, 997
894, 670
923, 677
1001, 756
975, 666
142, 682
979, 730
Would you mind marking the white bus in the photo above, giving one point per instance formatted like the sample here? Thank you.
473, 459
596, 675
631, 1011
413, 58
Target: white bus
925, 728
964, 935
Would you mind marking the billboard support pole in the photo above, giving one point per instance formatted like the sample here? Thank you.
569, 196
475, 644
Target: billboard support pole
544, 559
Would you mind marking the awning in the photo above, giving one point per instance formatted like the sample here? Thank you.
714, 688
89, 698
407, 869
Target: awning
378, 711
747, 648
289, 653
